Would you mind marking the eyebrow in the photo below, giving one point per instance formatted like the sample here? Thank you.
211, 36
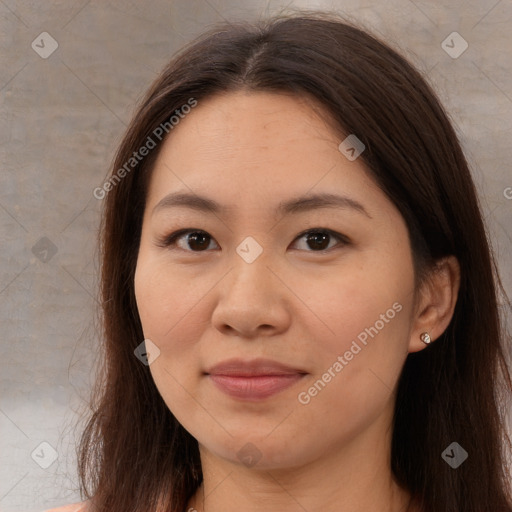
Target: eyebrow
291, 206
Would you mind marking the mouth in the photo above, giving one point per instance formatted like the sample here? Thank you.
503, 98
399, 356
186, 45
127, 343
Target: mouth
253, 380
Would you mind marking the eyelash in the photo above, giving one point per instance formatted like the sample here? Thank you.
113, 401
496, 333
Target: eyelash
169, 241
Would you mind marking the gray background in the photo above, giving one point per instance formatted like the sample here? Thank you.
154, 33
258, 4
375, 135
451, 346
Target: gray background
62, 117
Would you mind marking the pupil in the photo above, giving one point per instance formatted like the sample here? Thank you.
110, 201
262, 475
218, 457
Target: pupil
194, 237
318, 237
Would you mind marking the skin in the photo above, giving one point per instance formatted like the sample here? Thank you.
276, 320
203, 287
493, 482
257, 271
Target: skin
294, 304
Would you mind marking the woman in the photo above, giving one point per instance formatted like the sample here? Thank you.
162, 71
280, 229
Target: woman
300, 302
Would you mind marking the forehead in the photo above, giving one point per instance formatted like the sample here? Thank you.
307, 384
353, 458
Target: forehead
259, 147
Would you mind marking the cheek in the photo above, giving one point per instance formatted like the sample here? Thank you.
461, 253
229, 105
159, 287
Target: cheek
160, 294
356, 368
152, 301
367, 314
170, 320
363, 304
171, 311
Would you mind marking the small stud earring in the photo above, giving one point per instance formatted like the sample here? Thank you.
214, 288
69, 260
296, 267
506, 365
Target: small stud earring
425, 337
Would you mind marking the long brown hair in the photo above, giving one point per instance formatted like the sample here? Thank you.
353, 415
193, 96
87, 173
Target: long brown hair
134, 456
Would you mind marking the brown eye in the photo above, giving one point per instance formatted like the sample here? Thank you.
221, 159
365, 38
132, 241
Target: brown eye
198, 241
195, 241
319, 239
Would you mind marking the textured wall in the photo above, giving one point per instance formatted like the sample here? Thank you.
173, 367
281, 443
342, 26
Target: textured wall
63, 113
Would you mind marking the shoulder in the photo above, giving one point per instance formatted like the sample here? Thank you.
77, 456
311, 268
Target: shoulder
75, 507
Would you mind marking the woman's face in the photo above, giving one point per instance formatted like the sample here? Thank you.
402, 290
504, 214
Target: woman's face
323, 292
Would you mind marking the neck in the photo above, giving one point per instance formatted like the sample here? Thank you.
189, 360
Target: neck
276, 497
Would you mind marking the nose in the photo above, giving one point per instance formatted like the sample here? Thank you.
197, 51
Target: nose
252, 300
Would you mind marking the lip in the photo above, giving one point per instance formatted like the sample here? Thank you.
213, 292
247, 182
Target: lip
253, 380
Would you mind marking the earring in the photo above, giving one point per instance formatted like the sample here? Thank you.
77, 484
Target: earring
425, 337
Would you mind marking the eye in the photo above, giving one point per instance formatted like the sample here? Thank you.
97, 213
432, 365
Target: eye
198, 240
319, 238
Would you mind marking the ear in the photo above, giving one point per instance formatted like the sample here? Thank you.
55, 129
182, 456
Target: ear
436, 302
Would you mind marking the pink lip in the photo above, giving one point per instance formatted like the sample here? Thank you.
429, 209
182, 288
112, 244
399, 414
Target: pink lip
253, 380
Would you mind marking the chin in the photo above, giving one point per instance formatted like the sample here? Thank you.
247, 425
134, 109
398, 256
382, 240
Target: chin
259, 451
